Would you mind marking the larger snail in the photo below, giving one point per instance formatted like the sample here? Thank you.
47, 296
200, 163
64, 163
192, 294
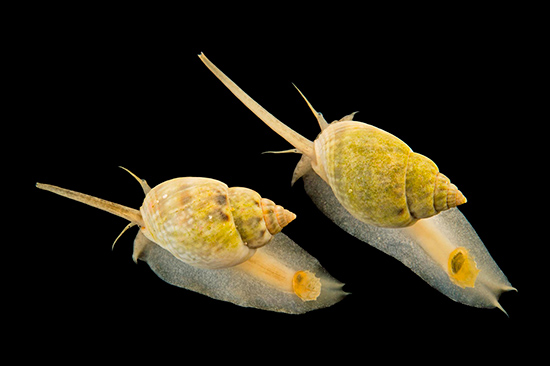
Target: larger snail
375, 187
199, 234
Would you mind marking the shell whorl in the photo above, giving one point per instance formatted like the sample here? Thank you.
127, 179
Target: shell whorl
446, 194
276, 217
257, 219
429, 191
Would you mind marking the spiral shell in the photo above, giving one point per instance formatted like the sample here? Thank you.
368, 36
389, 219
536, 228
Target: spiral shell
378, 178
206, 224
257, 219
276, 217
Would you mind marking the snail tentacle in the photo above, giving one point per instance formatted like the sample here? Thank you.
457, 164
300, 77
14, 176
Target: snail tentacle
142, 182
132, 224
319, 116
298, 141
127, 213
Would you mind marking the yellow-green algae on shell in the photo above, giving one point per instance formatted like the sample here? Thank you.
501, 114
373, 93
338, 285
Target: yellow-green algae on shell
365, 167
378, 178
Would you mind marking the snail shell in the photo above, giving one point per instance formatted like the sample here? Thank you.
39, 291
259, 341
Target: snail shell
378, 178
203, 222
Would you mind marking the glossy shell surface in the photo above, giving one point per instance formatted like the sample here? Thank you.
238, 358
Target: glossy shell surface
191, 218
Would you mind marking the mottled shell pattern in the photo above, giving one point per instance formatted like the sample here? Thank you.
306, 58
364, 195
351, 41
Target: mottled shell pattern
206, 224
378, 178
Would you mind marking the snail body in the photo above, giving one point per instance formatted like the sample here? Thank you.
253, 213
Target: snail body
199, 234
372, 185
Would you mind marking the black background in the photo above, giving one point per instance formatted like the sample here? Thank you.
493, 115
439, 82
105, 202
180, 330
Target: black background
95, 92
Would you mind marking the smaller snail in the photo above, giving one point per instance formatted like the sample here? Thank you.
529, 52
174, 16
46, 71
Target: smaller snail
199, 234
372, 185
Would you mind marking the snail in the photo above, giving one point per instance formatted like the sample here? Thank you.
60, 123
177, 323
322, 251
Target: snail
372, 185
199, 234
